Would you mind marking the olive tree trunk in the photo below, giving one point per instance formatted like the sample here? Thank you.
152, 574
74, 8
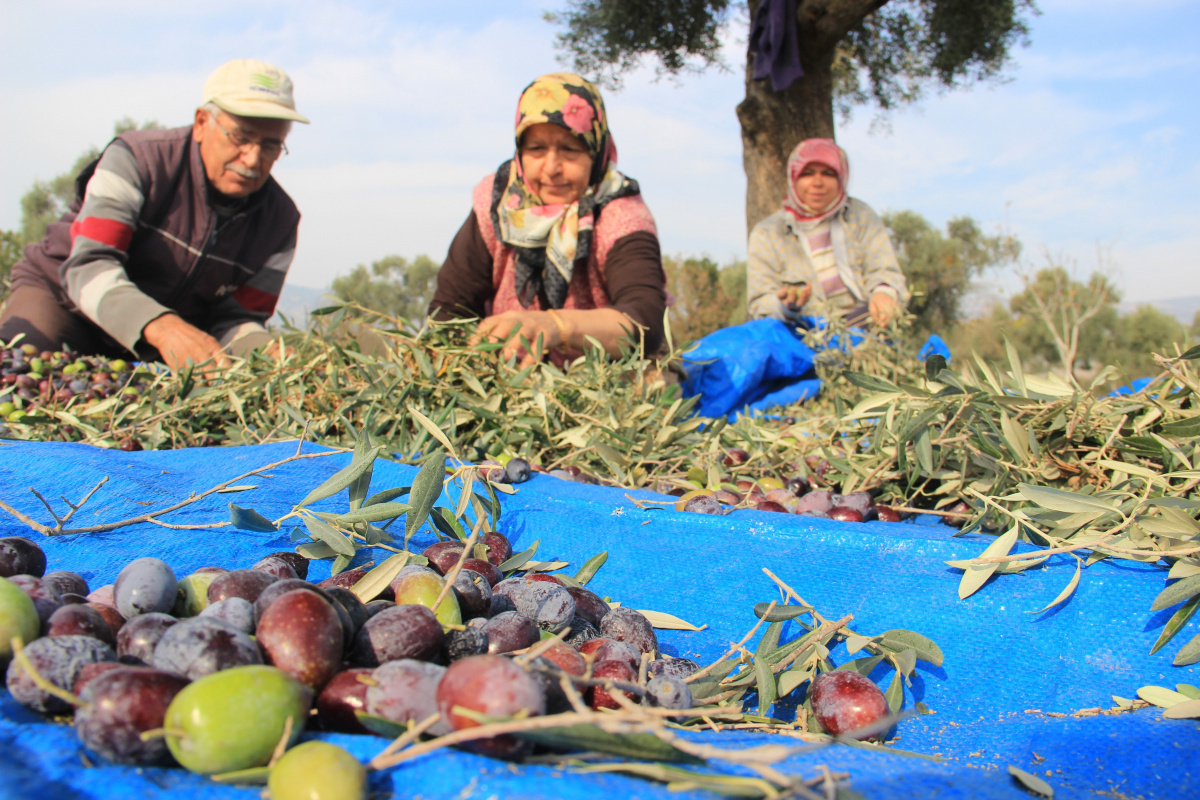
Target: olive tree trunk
773, 123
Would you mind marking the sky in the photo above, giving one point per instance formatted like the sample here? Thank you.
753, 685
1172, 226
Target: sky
1088, 151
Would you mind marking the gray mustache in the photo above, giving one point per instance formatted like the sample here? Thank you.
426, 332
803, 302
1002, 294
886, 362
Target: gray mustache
245, 172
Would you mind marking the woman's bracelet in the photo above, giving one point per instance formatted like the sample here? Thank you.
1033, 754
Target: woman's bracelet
562, 328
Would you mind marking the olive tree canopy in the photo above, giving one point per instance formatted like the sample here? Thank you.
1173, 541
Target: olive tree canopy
882, 53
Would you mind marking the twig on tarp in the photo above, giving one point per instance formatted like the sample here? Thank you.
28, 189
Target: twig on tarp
735, 648
151, 516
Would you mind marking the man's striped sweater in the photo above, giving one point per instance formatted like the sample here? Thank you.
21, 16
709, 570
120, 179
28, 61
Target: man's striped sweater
146, 235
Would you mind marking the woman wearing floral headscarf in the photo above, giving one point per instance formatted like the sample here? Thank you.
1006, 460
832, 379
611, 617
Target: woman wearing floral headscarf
824, 253
559, 243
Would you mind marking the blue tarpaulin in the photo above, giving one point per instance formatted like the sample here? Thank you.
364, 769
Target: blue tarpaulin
762, 365
1010, 692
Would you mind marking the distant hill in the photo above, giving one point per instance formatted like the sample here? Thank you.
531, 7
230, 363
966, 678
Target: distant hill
296, 301
1181, 308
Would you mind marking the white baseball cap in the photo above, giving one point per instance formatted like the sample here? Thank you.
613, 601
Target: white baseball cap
252, 88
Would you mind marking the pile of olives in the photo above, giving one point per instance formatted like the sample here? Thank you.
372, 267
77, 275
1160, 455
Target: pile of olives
792, 495
30, 379
212, 670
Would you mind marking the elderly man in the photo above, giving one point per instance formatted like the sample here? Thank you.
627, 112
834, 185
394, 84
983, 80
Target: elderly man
178, 242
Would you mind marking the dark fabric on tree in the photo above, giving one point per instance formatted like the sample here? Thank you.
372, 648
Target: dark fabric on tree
633, 280
775, 44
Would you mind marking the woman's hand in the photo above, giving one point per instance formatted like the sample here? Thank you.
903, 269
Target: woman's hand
882, 308
794, 296
531, 324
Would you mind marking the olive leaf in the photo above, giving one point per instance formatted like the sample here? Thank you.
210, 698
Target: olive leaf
863, 666
1177, 593
1031, 782
1161, 697
434, 430
976, 575
372, 584
854, 643
373, 513
1058, 500
895, 693
316, 550
591, 567
870, 382
444, 520
899, 639
1189, 709
520, 559
770, 640
341, 479
1066, 592
906, 662
362, 484
791, 678
324, 532
1189, 653
779, 613
668, 622
765, 681
247, 519
934, 365
386, 496
381, 726
591, 738
426, 489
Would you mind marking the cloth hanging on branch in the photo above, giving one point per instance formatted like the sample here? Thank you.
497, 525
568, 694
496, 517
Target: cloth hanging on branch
776, 43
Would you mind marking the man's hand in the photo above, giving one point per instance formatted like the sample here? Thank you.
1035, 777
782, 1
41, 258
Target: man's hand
531, 324
276, 349
794, 296
178, 343
882, 308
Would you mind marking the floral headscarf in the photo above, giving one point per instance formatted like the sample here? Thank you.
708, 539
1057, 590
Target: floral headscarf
820, 151
556, 234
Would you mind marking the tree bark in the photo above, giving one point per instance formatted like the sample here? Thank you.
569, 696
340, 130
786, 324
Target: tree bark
773, 123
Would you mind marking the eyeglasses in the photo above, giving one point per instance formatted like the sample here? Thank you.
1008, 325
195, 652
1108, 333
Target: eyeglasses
269, 150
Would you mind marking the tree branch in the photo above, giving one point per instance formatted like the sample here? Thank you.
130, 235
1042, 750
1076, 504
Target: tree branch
824, 22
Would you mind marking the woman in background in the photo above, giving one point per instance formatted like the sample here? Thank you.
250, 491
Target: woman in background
823, 253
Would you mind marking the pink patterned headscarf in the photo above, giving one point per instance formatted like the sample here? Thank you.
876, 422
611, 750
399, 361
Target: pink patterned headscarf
549, 238
820, 151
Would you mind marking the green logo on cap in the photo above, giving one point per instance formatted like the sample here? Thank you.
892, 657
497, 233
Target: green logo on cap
267, 82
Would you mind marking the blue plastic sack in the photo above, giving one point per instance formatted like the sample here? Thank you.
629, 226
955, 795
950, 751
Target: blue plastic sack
1133, 387
742, 365
763, 364
934, 346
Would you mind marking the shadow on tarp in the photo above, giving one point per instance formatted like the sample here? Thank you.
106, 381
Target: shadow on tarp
1005, 673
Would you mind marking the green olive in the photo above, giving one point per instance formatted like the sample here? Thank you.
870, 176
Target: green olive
234, 719
317, 771
18, 617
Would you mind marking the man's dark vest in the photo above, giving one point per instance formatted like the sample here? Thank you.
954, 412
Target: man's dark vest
178, 255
